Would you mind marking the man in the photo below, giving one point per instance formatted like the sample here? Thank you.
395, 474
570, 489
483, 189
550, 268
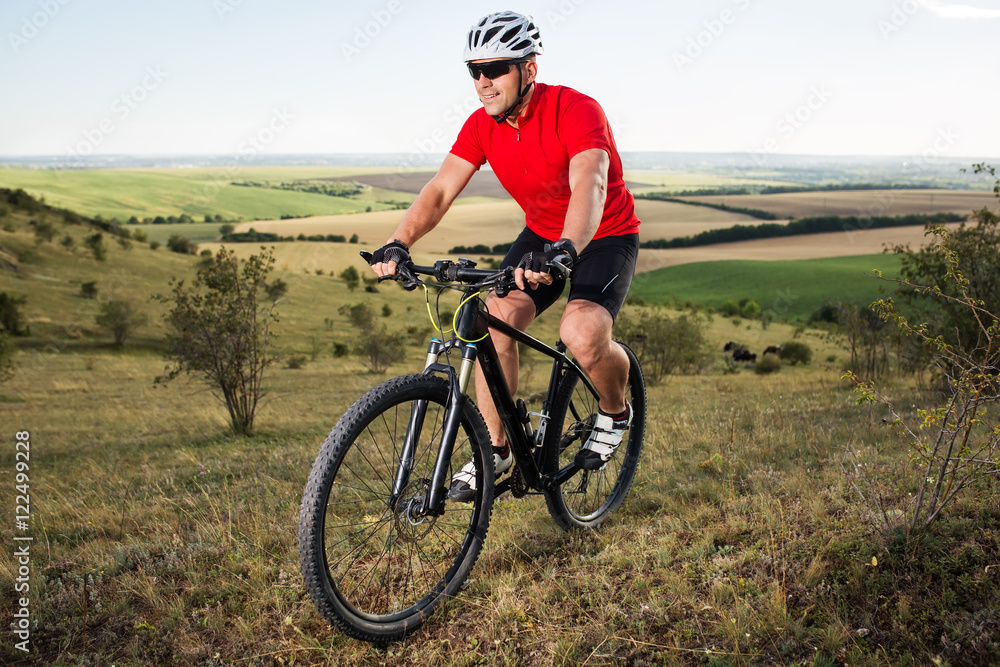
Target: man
553, 151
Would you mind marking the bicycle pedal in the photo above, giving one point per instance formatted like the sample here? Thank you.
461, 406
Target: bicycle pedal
518, 487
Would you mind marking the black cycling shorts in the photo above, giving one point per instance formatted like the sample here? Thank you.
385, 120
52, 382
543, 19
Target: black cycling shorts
602, 273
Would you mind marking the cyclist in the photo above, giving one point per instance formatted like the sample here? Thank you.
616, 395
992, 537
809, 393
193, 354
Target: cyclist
552, 149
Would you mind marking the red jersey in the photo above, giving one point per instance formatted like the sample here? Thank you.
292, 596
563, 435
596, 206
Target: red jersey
532, 161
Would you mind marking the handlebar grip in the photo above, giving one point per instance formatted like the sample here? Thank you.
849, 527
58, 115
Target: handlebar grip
367, 256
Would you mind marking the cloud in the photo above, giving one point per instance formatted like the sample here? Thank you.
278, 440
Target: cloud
951, 11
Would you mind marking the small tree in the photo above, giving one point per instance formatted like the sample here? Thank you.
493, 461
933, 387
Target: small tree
11, 317
794, 352
45, 231
351, 276
96, 244
379, 347
121, 319
220, 330
276, 289
954, 445
225, 229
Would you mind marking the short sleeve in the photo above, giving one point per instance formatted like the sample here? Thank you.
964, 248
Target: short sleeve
469, 144
583, 125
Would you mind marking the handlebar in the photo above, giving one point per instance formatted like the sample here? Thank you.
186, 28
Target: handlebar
501, 281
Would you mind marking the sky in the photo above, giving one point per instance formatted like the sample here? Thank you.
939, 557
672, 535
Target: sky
217, 77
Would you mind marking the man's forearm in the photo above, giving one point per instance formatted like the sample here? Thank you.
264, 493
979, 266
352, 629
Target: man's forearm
583, 216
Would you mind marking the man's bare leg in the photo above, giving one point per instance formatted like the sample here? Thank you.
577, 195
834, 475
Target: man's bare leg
518, 310
586, 330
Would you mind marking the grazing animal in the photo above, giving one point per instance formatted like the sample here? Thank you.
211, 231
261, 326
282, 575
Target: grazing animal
731, 345
773, 349
744, 355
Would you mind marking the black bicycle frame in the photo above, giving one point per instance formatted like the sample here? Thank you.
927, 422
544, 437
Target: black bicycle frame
474, 323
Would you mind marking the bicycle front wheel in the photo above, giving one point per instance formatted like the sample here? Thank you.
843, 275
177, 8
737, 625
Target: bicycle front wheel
378, 569
588, 498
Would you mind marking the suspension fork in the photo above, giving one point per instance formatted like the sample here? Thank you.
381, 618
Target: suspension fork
413, 430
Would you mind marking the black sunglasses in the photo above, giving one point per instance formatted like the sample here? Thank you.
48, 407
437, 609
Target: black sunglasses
493, 70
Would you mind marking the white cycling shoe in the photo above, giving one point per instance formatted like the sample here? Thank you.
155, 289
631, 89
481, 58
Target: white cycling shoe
603, 440
463, 484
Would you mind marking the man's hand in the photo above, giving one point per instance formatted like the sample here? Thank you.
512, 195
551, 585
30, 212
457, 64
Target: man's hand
385, 260
537, 268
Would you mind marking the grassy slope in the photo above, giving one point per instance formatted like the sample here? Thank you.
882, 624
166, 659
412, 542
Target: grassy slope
793, 289
161, 539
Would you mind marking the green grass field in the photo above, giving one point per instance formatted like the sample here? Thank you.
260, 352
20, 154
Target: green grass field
161, 538
115, 193
791, 289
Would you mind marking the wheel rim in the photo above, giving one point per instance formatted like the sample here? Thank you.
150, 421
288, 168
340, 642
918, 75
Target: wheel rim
387, 563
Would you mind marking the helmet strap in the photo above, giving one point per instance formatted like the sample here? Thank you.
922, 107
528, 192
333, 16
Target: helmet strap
502, 117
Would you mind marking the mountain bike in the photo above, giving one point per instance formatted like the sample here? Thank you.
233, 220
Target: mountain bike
381, 542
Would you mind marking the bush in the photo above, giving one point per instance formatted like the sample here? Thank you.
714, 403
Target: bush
386, 310
664, 345
793, 352
181, 244
340, 350
11, 317
296, 362
67, 242
121, 319
276, 289
351, 276
153, 245
767, 365
96, 244
88, 290
45, 231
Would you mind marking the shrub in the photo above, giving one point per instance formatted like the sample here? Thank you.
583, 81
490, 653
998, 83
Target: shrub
767, 365
340, 350
220, 330
664, 345
120, 318
96, 244
67, 242
386, 310
139, 235
11, 317
794, 352
181, 244
153, 245
729, 308
276, 289
351, 277
45, 231
296, 362
88, 290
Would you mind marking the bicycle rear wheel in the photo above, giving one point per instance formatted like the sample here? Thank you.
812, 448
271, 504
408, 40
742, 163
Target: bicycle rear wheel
588, 498
375, 571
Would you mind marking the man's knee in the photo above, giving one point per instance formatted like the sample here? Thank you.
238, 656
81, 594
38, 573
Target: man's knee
585, 330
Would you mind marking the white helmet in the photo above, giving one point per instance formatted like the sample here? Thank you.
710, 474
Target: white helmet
502, 35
